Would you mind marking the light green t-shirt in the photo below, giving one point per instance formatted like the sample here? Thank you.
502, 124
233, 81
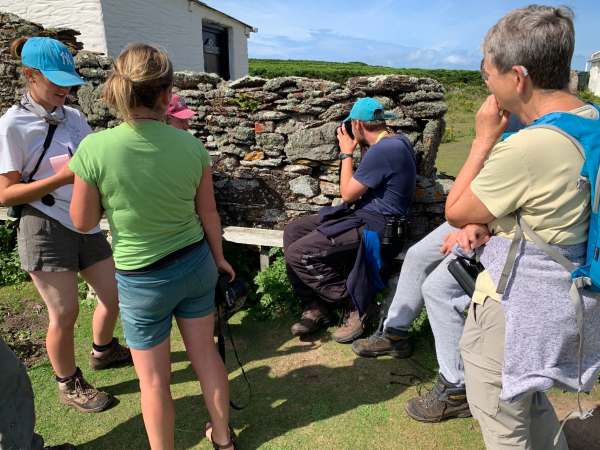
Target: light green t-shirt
147, 175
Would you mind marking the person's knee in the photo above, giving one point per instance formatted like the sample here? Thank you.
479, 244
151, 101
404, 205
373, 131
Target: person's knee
155, 383
63, 316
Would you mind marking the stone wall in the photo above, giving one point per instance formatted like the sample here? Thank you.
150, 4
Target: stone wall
272, 141
13, 27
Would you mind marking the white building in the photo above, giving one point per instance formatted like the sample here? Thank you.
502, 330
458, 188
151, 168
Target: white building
593, 65
197, 37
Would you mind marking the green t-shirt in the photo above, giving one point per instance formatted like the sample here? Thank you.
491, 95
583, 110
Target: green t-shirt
147, 175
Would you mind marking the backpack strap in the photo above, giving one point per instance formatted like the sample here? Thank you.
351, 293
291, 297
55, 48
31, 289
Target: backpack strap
47, 142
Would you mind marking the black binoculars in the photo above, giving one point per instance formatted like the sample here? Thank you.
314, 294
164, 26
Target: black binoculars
230, 297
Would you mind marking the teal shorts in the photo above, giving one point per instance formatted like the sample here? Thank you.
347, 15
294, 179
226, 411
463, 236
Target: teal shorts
183, 288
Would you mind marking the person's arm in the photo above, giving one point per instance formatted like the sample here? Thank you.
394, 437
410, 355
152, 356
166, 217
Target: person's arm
469, 237
350, 189
206, 208
85, 209
14, 192
462, 205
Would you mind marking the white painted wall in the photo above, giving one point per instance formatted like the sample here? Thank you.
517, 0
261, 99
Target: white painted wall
594, 83
175, 25
84, 16
107, 26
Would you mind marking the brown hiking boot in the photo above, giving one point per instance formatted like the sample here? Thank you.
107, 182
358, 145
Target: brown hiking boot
351, 329
81, 395
378, 344
442, 402
313, 317
117, 355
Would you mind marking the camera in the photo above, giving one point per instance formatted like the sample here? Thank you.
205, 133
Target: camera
348, 126
230, 297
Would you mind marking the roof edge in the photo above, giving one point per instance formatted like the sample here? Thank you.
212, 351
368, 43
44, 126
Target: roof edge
250, 27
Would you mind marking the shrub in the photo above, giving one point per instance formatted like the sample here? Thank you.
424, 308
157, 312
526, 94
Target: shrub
274, 290
10, 269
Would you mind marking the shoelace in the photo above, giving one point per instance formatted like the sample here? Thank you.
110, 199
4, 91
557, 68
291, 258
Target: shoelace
82, 387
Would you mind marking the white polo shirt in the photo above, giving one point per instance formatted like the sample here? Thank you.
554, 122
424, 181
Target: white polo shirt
22, 136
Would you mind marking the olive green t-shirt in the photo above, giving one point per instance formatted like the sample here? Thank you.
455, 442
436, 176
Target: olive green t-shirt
147, 174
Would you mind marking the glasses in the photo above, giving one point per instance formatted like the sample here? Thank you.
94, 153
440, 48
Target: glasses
485, 76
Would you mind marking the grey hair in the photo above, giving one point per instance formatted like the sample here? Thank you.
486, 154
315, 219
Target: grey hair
539, 38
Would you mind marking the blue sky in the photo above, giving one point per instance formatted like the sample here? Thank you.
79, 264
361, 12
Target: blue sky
397, 33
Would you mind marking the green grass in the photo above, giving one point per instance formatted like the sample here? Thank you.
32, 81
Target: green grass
340, 72
306, 395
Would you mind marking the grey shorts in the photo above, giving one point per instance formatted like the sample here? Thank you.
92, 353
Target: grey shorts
44, 244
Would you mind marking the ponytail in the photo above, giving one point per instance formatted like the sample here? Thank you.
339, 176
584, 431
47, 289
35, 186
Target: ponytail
16, 47
139, 75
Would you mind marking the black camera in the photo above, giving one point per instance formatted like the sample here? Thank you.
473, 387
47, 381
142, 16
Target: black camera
348, 126
230, 297
394, 231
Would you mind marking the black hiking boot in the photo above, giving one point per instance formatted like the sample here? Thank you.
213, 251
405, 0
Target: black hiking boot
380, 344
443, 401
314, 317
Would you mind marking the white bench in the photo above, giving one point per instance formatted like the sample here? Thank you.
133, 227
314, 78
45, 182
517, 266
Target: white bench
262, 238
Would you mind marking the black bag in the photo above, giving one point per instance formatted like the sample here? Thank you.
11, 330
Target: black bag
465, 272
16, 210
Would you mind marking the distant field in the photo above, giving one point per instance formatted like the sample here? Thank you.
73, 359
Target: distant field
340, 72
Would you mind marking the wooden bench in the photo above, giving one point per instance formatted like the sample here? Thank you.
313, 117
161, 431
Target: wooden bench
262, 238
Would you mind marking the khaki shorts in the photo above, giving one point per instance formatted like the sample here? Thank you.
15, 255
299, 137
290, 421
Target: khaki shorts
44, 244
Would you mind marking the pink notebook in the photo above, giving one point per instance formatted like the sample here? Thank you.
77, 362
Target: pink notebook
58, 162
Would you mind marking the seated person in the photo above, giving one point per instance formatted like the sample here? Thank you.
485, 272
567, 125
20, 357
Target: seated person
425, 279
321, 254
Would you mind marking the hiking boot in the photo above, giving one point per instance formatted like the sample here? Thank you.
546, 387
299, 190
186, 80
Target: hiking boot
351, 329
81, 395
443, 401
315, 316
378, 344
116, 355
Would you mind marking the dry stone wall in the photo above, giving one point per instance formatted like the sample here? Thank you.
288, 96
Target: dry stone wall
272, 141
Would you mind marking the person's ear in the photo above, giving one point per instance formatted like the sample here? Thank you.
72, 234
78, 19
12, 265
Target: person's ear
522, 79
357, 128
29, 74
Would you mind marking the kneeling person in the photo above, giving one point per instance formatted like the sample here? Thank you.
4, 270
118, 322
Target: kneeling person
325, 262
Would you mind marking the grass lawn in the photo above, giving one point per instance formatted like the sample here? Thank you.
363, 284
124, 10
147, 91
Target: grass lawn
306, 395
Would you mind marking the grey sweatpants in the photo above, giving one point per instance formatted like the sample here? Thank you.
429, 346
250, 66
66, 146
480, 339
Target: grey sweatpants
425, 280
17, 416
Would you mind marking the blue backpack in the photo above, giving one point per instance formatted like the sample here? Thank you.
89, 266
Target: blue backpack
584, 133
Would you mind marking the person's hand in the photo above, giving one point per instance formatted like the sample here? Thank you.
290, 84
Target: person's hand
490, 122
468, 238
65, 176
347, 144
224, 267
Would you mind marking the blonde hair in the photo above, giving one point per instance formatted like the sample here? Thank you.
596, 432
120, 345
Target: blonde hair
140, 73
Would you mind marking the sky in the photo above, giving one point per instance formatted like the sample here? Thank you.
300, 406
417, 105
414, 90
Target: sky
396, 33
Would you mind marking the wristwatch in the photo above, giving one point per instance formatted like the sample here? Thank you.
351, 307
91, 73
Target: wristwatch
343, 156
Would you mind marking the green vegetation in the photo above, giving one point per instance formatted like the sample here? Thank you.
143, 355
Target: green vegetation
274, 289
340, 72
245, 102
10, 269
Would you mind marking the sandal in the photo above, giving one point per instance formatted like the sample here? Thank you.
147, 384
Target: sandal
231, 443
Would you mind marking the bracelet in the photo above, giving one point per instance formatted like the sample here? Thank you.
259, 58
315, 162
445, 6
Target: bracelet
343, 156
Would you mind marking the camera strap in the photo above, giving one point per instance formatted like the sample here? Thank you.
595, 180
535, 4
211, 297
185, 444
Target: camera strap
221, 346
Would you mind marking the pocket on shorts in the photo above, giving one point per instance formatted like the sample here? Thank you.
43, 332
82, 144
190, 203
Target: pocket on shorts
483, 388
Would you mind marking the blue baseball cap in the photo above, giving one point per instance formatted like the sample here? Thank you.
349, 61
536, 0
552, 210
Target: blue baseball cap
53, 59
367, 109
